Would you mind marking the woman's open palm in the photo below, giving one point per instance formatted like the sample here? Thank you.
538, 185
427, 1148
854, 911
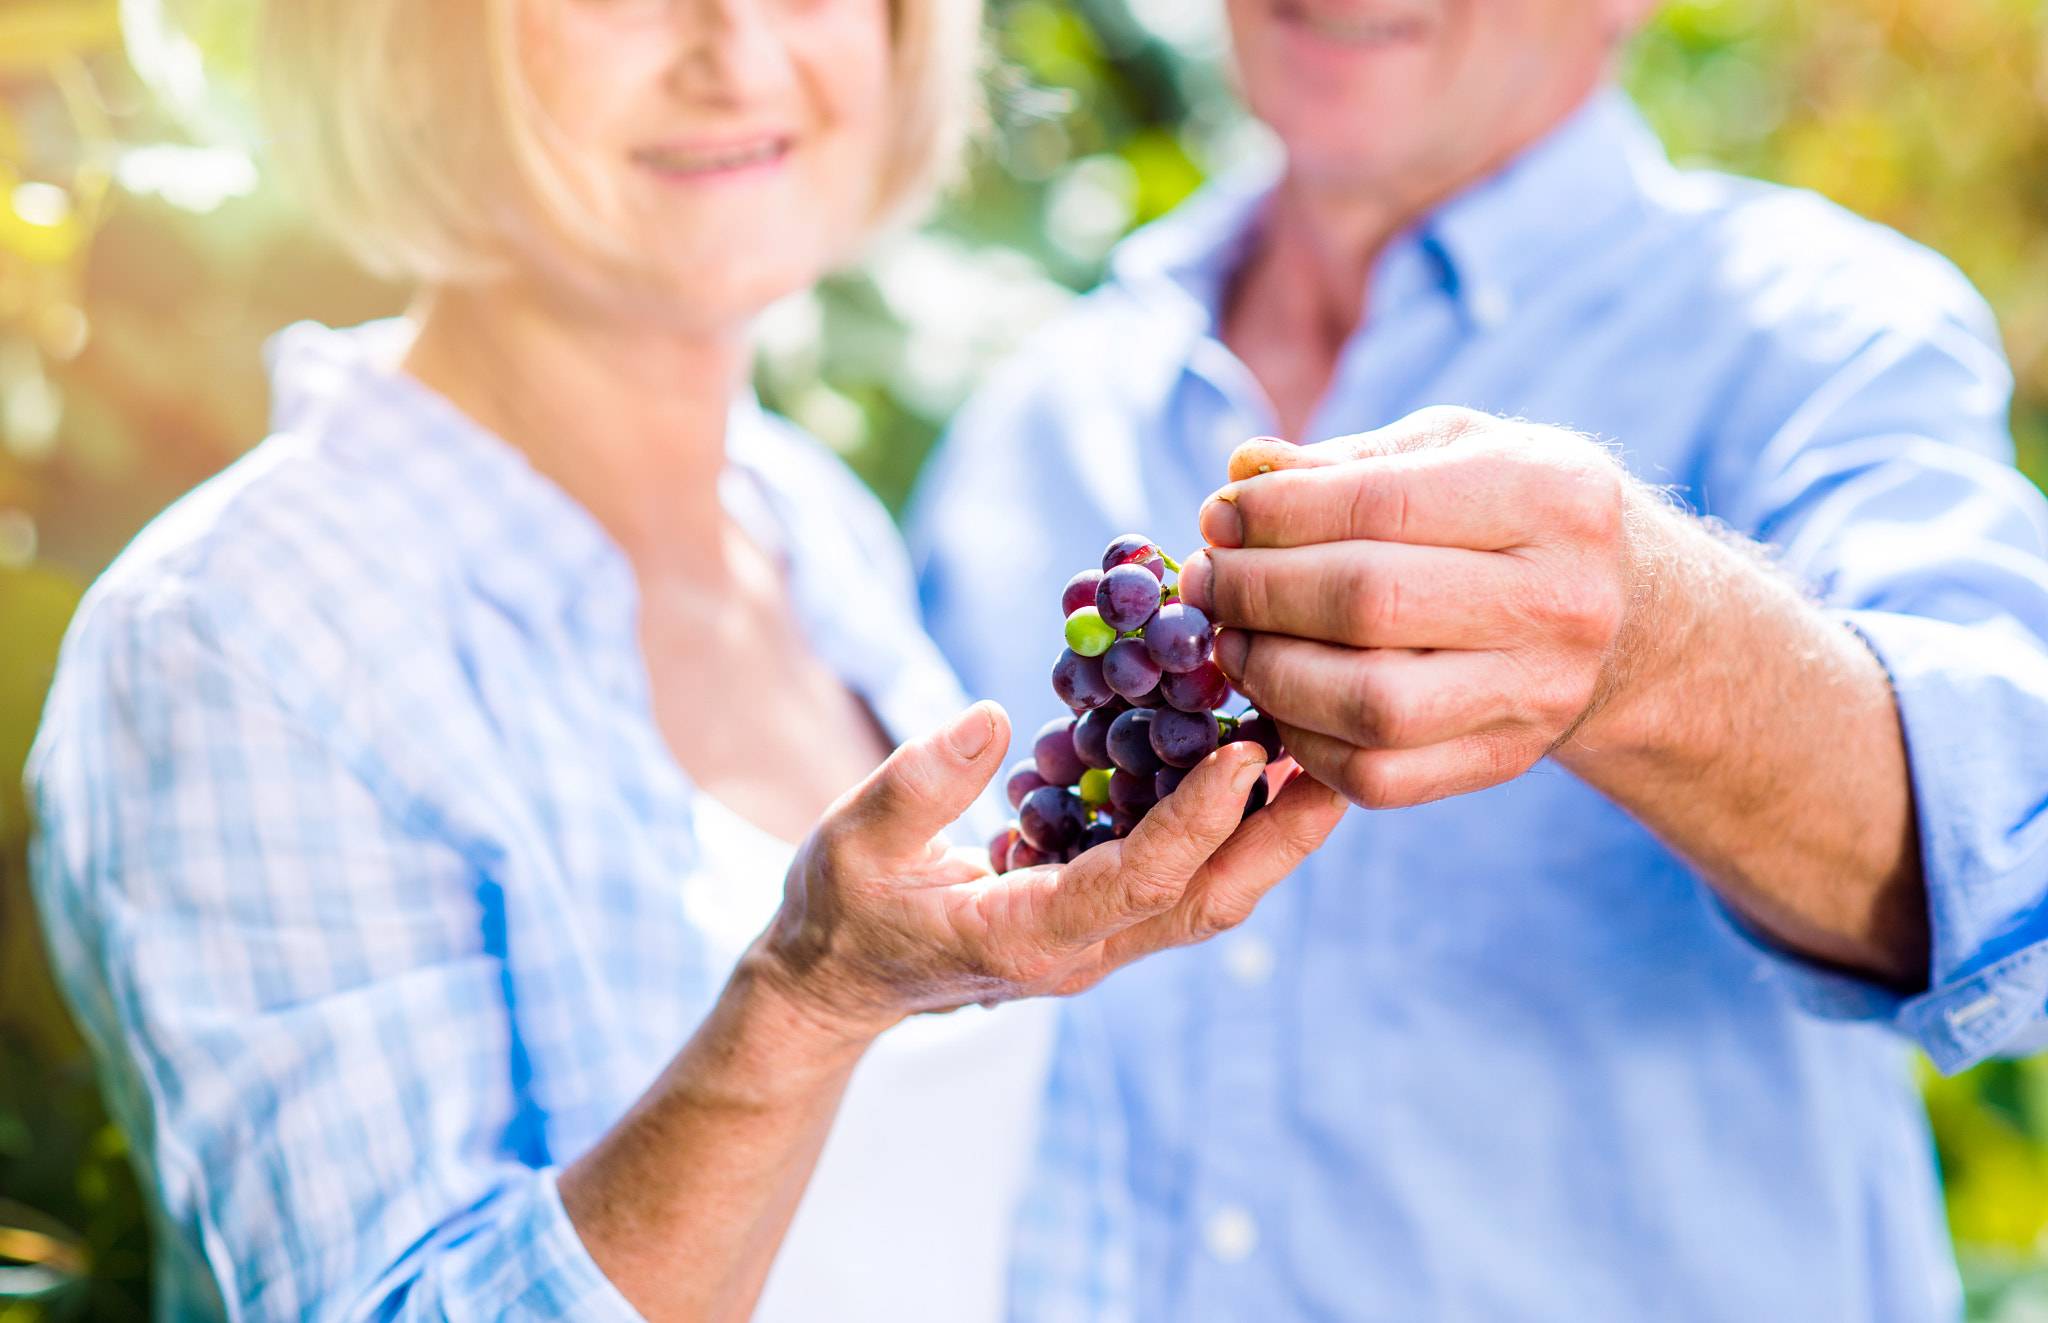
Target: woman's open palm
883, 918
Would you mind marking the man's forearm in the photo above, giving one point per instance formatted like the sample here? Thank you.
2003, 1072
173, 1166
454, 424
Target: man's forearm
1761, 740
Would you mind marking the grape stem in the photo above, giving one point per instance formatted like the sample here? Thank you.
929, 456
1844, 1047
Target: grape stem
1171, 563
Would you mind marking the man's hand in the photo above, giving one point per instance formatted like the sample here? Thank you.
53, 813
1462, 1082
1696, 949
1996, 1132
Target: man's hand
1429, 609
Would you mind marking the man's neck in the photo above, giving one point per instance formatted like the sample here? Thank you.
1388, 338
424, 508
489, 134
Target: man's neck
630, 420
1303, 289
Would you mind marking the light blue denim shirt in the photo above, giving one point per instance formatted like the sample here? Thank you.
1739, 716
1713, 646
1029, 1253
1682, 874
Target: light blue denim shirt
1504, 1056
363, 860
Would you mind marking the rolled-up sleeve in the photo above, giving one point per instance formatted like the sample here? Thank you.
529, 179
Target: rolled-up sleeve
1893, 494
297, 990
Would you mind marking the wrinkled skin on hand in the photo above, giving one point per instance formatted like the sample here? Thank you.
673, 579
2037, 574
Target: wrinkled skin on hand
1431, 608
882, 918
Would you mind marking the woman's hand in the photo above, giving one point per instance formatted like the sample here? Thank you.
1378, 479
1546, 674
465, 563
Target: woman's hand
882, 919
684, 1202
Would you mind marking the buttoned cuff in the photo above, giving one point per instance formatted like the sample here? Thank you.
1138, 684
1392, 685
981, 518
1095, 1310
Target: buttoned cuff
1973, 702
1996, 1010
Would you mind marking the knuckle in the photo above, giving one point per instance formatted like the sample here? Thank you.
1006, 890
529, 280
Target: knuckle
1215, 916
1372, 716
1150, 893
1377, 506
1585, 491
1556, 700
1439, 424
838, 838
1367, 602
1371, 781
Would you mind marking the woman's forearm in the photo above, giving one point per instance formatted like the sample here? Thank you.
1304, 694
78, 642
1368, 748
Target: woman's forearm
685, 1201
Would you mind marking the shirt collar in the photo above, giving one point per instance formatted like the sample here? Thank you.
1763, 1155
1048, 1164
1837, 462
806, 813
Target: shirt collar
1503, 236
522, 539
1488, 246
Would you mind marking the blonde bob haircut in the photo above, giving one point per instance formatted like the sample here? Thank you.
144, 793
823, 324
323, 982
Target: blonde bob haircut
400, 123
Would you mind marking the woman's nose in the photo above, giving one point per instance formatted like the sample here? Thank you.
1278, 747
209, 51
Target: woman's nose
729, 49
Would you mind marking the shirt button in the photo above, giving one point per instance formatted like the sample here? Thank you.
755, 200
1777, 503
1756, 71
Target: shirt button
1231, 1235
1491, 305
1249, 960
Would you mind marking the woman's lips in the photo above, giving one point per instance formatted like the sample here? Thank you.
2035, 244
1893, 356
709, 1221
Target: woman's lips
697, 160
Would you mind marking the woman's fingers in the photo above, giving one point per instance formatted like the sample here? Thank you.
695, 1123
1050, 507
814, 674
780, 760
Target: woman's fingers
923, 787
1110, 888
1262, 851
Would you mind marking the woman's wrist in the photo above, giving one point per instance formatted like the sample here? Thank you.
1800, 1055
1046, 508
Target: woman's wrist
812, 1009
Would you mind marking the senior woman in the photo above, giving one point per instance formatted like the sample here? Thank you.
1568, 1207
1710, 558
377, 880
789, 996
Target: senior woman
413, 793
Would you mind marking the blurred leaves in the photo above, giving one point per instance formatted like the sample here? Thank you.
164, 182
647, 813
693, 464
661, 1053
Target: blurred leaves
143, 259
1928, 115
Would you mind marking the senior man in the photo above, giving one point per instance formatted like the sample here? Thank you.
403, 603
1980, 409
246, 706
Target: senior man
1617, 1034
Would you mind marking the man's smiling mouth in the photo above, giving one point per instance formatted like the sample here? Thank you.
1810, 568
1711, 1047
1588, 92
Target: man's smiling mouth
1350, 29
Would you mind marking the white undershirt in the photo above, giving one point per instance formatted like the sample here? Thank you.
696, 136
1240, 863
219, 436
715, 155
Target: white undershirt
907, 1218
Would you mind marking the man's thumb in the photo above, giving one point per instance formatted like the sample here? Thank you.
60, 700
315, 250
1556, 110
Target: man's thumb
1425, 429
927, 783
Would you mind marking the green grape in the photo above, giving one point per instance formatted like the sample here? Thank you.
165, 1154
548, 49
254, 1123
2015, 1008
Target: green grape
1095, 787
1088, 633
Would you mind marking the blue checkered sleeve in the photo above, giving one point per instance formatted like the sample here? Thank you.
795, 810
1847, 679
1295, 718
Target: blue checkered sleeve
309, 988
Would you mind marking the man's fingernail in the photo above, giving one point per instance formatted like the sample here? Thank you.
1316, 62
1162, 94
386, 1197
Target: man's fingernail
1231, 649
1250, 772
971, 731
1194, 581
1222, 525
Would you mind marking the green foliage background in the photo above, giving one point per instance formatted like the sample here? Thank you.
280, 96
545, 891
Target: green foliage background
133, 303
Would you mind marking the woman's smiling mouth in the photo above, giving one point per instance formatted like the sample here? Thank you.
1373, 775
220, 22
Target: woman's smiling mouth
698, 160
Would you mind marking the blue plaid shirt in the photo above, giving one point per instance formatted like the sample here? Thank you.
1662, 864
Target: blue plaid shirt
1504, 1057
362, 857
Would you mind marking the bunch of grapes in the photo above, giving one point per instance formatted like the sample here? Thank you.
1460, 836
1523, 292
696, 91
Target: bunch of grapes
1140, 674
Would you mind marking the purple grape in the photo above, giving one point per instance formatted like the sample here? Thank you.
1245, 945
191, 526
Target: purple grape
1053, 752
1051, 819
1080, 592
1128, 670
1121, 821
1091, 736
999, 848
1261, 730
1168, 780
1079, 682
1180, 637
1024, 779
1151, 700
1131, 794
1127, 597
1130, 549
1199, 690
1098, 833
1025, 855
1130, 744
1182, 739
